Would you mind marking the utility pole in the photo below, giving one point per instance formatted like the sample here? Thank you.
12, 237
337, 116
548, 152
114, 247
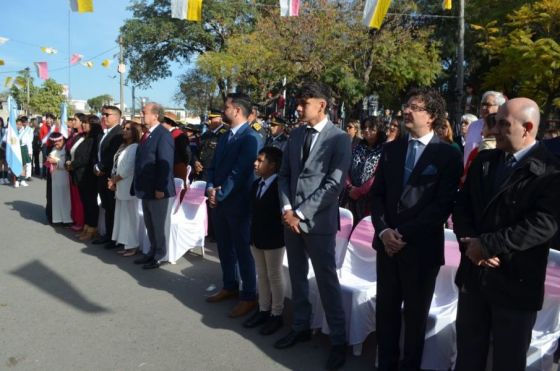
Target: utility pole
133, 104
27, 77
121, 70
460, 64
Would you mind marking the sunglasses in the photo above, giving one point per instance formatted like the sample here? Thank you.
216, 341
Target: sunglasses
104, 114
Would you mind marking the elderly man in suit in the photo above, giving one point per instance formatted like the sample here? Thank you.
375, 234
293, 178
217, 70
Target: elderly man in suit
315, 162
411, 198
506, 217
108, 145
228, 187
153, 183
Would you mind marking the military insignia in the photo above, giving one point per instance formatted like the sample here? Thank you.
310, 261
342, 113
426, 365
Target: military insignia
257, 126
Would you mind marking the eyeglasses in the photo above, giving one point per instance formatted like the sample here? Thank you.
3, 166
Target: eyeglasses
105, 114
413, 107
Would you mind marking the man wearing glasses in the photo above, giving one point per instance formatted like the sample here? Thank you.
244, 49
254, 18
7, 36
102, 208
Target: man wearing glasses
106, 149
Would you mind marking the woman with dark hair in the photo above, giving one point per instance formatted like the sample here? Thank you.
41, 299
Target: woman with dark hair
445, 133
125, 227
75, 138
396, 130
81, 168
364, 162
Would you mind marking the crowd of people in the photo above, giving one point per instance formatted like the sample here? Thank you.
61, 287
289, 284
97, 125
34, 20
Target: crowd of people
275, 188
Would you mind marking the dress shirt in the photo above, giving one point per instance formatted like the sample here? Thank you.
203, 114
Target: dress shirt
267, 182
236, 129
424, 140
521, 153
99, 146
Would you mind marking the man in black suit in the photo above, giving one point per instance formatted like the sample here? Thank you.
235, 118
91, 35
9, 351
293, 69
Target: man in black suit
412, 197
506, 216
108, 145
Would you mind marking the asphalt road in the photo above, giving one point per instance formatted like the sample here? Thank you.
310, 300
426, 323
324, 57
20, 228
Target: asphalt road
66, 305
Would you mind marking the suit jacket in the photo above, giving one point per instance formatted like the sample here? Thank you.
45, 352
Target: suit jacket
420, 208
313, 188
516, 224
232, 170
83, 160
153, 170
107, 148
267, 230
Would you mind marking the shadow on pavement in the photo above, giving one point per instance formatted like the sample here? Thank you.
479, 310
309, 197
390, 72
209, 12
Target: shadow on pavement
47, 280
29, 211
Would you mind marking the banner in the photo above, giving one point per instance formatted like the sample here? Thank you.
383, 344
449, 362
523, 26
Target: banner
13, 148
75, 58
191, 10
447, 4
289, 8
64, 119
42, 70
88, 64
81, 6
374, 12
48, 50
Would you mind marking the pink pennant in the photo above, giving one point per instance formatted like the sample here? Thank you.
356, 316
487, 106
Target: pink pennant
42, 70
294, 11
75, 58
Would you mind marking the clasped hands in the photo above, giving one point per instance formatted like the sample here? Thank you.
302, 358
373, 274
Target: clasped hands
211, 194
392, 241
291, 220
474, 253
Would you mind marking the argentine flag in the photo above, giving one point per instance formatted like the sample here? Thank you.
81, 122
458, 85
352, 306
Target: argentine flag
13, 148
64, 119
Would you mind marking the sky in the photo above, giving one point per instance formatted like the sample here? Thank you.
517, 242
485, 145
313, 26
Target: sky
31, 24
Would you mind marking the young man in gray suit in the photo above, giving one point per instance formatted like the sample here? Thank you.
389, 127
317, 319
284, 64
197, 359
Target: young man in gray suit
315, 162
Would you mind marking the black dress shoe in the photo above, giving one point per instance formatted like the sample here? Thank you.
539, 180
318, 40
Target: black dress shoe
258, 318
273, 324
337, 357
143, 260
101, 241
151, 265
293, 338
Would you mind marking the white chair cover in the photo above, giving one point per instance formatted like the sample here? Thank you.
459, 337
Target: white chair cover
101, 219
546, 331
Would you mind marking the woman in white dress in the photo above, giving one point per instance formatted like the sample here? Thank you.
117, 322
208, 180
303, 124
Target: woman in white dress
125, 228
60, 181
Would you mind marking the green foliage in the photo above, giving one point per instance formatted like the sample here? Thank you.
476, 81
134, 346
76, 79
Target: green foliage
198, 92
19, 89
48, 98
96, 103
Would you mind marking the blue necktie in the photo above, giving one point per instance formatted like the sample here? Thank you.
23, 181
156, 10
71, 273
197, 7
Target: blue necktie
410, 159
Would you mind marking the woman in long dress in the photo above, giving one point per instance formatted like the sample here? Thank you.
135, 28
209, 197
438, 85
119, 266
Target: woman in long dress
60, 181
75, 138
125, 227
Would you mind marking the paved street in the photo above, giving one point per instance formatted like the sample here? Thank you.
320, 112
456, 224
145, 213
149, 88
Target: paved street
65, 305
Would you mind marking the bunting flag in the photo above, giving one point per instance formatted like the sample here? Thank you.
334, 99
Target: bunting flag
191, 10
88, 64
75, 58
3, 40
47, 50
8, 82
81, 6
289, 8
106, 63
13, 149
42, 70
2, 62
374, 12
447, 4
21, 81
64, 119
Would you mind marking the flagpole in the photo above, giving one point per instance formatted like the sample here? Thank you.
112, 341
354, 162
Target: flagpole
69, 74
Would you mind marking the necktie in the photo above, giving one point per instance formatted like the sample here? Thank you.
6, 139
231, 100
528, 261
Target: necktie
504, 170
307, 144
261, 187
144, 137
410, 159
230, 136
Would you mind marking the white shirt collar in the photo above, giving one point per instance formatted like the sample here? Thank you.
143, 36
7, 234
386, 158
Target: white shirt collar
521, 153
425, 140
236, 129
151, 130
268, 181
320, 125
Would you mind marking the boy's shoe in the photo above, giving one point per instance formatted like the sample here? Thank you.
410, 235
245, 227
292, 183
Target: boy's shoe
16, 184
23, 183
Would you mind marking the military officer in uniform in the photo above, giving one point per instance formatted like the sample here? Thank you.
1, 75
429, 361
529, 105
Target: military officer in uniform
208, 142
256, 124
277, 137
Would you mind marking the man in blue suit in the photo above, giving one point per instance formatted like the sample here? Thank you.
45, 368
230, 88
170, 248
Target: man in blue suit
153, 183
230, 177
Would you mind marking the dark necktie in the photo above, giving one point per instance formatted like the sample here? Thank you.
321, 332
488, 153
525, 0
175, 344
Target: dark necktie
410, 159
504, 170
144, 137
261, 187
307, 143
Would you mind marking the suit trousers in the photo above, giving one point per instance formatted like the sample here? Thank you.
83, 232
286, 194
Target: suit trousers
157, 217
478, 321
320, 250
232, 233
269, 278
402, 278
108, 202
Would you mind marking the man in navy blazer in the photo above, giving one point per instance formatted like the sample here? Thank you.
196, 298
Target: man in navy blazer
153, 183
412, 196
230, 177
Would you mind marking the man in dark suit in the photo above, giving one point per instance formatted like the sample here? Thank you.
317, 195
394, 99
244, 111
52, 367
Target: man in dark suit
412, 196
230, 177
506, 216
153, 183
315, 163
108, 145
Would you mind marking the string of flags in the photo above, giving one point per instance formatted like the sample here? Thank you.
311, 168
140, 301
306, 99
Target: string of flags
289, 8
191, 10
42, 70
48, 50
81, 6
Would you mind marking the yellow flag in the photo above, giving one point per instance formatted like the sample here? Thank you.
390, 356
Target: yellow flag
191, 10
2, 62
106, 63
374, 12
47, 50
81, 6
8, 82
447, 4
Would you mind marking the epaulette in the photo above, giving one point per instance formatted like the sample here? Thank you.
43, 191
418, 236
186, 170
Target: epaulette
223, 130
257, 126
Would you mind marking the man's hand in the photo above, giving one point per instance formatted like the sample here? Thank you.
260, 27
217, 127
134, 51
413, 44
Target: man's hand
474, 253
211, 193
198, 167
159, 195
393, 241
291, 220
111, 184
353, 194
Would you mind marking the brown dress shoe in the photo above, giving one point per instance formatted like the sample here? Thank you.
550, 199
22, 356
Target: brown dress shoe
221, 296
242, 308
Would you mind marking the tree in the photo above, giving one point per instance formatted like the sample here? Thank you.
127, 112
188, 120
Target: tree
19, 89
48, 98
96, 103
524, 54
197, 92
